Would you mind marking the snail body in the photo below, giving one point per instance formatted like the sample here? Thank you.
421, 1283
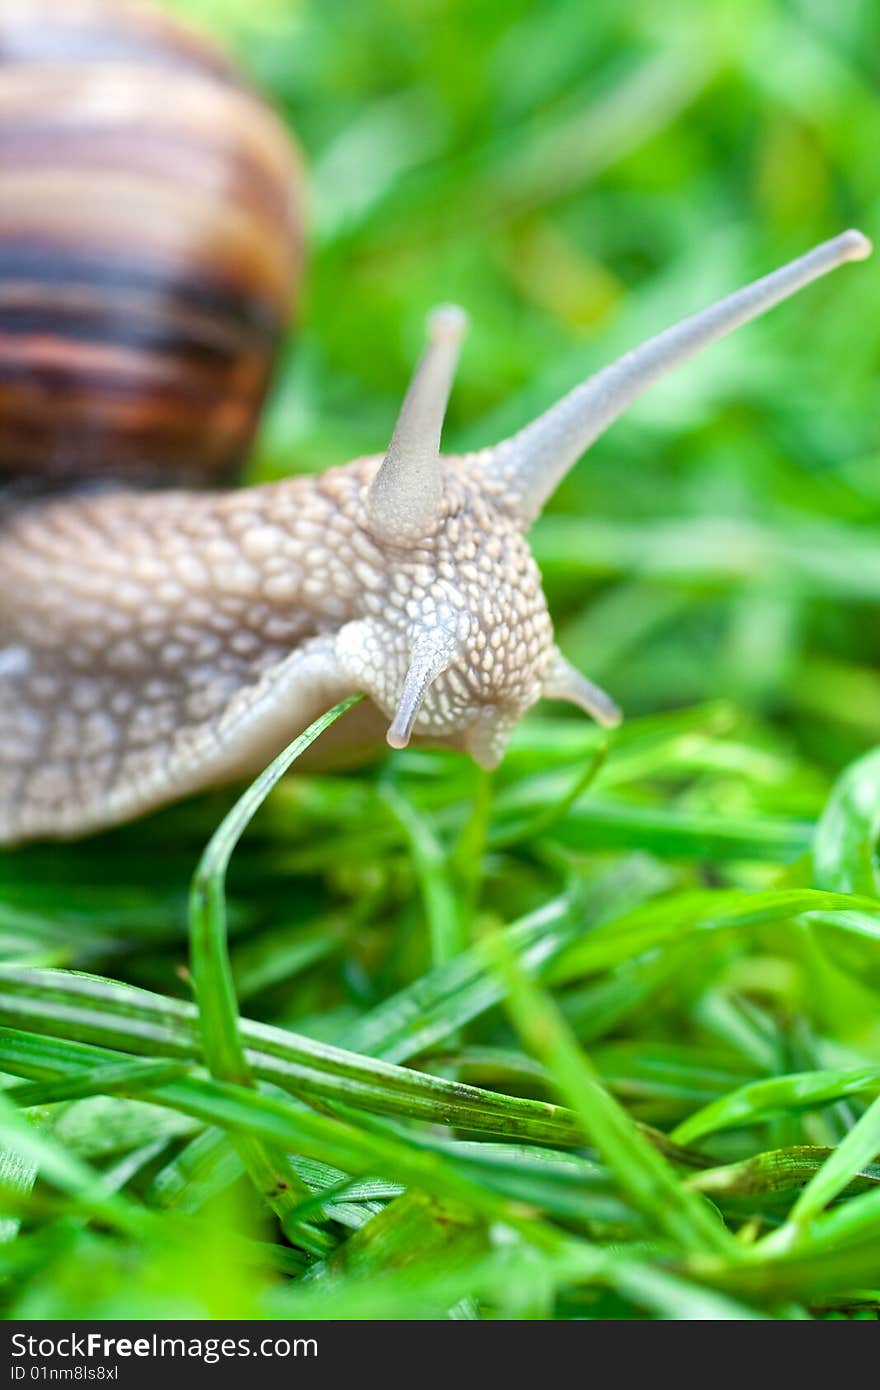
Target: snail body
155, 642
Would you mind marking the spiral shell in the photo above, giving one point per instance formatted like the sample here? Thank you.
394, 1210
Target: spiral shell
150, 245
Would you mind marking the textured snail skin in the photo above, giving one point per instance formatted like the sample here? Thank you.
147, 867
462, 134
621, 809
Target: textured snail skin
149, 245
206, 629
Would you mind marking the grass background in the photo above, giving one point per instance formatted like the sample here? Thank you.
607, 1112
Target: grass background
597, 1036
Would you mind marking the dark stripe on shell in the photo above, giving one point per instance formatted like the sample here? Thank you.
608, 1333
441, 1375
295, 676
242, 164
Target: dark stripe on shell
61, 266
161, 331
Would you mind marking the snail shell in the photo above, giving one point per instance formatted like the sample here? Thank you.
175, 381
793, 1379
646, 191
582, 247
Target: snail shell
150, 245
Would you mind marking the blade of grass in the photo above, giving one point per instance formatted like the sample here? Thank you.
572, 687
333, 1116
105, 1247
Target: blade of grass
414, 1095
17, 1177
681, 915
760, 1099
211, 968
643, 1174
124, 1077
446, 925
428, 1011
676, 834
772, 1172
331, 1140
66, 1172
270, 1171
849, 1159
844, 860
528, 829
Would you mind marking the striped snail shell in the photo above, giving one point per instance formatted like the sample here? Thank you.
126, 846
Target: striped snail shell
150, 245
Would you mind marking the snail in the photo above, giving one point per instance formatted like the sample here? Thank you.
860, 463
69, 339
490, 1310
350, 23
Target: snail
158, 641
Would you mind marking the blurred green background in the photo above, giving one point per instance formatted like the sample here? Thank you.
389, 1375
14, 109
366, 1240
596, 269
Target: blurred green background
578, 177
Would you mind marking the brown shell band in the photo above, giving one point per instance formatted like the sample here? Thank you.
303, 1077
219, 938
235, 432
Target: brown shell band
150, 245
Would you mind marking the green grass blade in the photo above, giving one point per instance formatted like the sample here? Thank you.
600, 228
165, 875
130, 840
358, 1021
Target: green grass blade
212, 972
761, 1099
65, 1172
655, 925
446, 927
774, 1171
427, 1012
847, 832
848, 1160
297, 1064
213, 980
114, 1078
640, 1170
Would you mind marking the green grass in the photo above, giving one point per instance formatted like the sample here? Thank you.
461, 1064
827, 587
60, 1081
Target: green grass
597, 1036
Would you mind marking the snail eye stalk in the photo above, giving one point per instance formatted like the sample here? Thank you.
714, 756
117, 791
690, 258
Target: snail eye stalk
530, 465
405, 497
